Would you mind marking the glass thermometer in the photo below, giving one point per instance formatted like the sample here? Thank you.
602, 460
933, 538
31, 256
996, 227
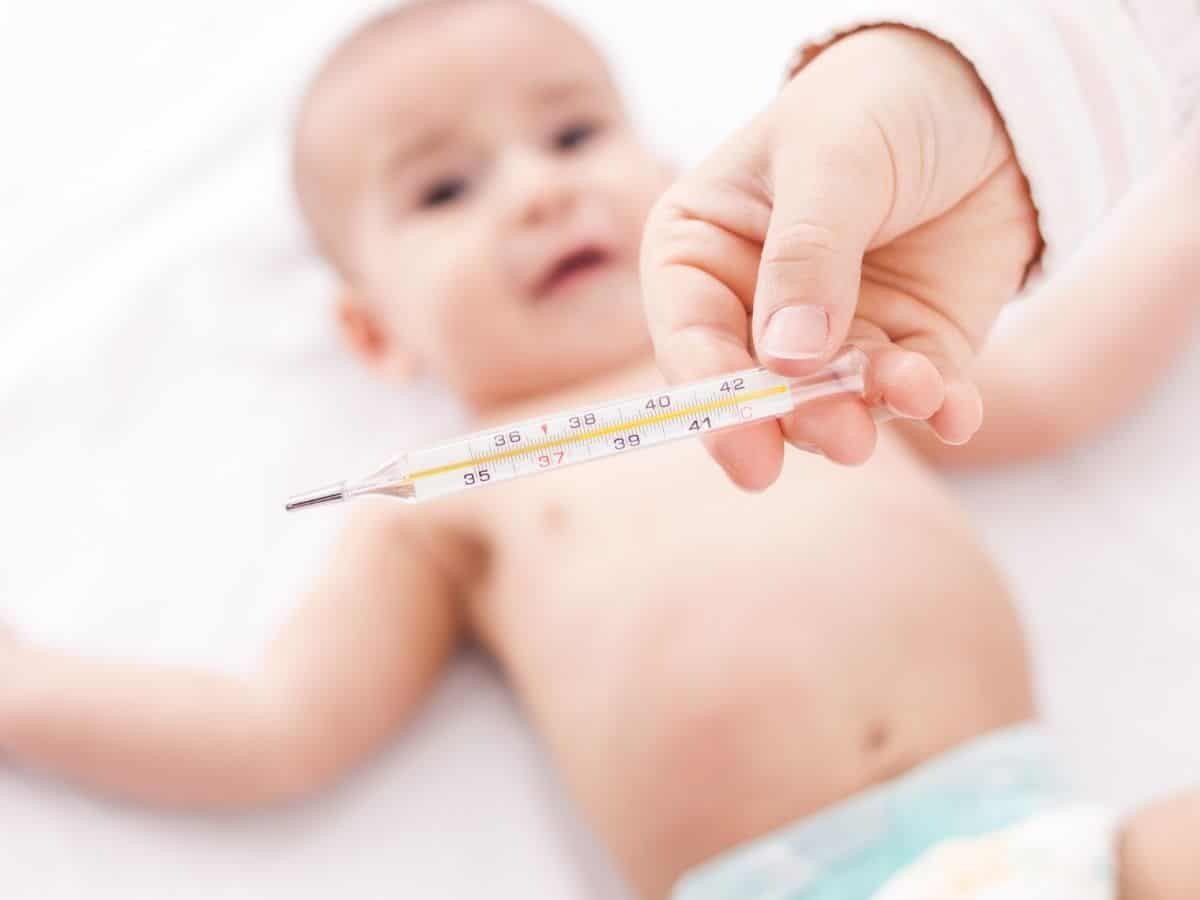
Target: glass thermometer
607, 428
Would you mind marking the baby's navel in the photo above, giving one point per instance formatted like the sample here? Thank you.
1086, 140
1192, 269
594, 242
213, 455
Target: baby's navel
876, 738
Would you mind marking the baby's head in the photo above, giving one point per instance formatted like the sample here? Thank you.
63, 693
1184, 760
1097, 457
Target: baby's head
470, 170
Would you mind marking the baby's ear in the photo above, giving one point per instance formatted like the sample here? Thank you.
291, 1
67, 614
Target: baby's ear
377, 345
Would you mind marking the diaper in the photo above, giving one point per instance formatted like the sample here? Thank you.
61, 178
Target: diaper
991, 819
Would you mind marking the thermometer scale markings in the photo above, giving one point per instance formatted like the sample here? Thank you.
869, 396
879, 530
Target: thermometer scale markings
587, 436
605, 429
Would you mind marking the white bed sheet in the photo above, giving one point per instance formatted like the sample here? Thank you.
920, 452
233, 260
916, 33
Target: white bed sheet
168, 375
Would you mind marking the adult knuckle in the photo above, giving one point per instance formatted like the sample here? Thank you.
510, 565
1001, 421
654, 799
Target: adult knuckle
800, 241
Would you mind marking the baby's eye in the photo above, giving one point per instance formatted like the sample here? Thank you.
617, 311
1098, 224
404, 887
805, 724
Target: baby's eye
574, 136
443, 192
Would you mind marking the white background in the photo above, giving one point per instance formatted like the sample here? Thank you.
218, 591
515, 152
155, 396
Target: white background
167, 375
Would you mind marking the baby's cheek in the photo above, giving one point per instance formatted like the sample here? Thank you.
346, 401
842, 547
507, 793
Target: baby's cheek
637, 177
457, 328
470, 308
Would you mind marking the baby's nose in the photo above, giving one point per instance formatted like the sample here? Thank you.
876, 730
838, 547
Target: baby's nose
541, 189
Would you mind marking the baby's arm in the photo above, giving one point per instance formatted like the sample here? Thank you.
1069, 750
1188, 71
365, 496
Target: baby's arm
343, 674
1101, 334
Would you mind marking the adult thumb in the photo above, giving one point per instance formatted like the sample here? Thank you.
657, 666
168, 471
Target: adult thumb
831, 191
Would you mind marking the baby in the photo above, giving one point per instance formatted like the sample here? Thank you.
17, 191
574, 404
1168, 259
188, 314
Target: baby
794, 694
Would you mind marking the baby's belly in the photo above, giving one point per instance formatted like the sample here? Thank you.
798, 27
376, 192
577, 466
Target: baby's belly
708, 664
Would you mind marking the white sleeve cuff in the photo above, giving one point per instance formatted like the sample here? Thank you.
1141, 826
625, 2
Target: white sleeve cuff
1084, 105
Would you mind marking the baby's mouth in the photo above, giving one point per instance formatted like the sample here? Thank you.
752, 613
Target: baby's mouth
570, 269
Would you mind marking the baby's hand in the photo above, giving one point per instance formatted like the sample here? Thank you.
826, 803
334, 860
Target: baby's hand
877, 201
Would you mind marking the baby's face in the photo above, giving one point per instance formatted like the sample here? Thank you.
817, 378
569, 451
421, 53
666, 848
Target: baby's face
490, 192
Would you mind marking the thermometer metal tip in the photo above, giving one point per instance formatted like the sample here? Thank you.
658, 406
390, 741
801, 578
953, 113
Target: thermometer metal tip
330, 494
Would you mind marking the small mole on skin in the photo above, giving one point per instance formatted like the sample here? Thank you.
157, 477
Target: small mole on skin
554, 517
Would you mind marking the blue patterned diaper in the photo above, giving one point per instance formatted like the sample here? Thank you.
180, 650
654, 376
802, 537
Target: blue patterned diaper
851, 850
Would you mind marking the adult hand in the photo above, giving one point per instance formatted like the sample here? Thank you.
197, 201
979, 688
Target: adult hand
877, 202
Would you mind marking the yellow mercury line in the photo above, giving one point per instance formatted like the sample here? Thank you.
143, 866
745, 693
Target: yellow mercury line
600, 432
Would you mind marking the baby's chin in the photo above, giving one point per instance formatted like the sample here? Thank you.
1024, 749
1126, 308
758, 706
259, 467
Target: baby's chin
587, 329
599, 347
574, 358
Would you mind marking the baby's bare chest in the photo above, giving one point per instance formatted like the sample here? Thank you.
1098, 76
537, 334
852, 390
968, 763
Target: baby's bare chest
616, 550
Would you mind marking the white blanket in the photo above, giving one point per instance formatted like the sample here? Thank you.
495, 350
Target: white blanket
168, 375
